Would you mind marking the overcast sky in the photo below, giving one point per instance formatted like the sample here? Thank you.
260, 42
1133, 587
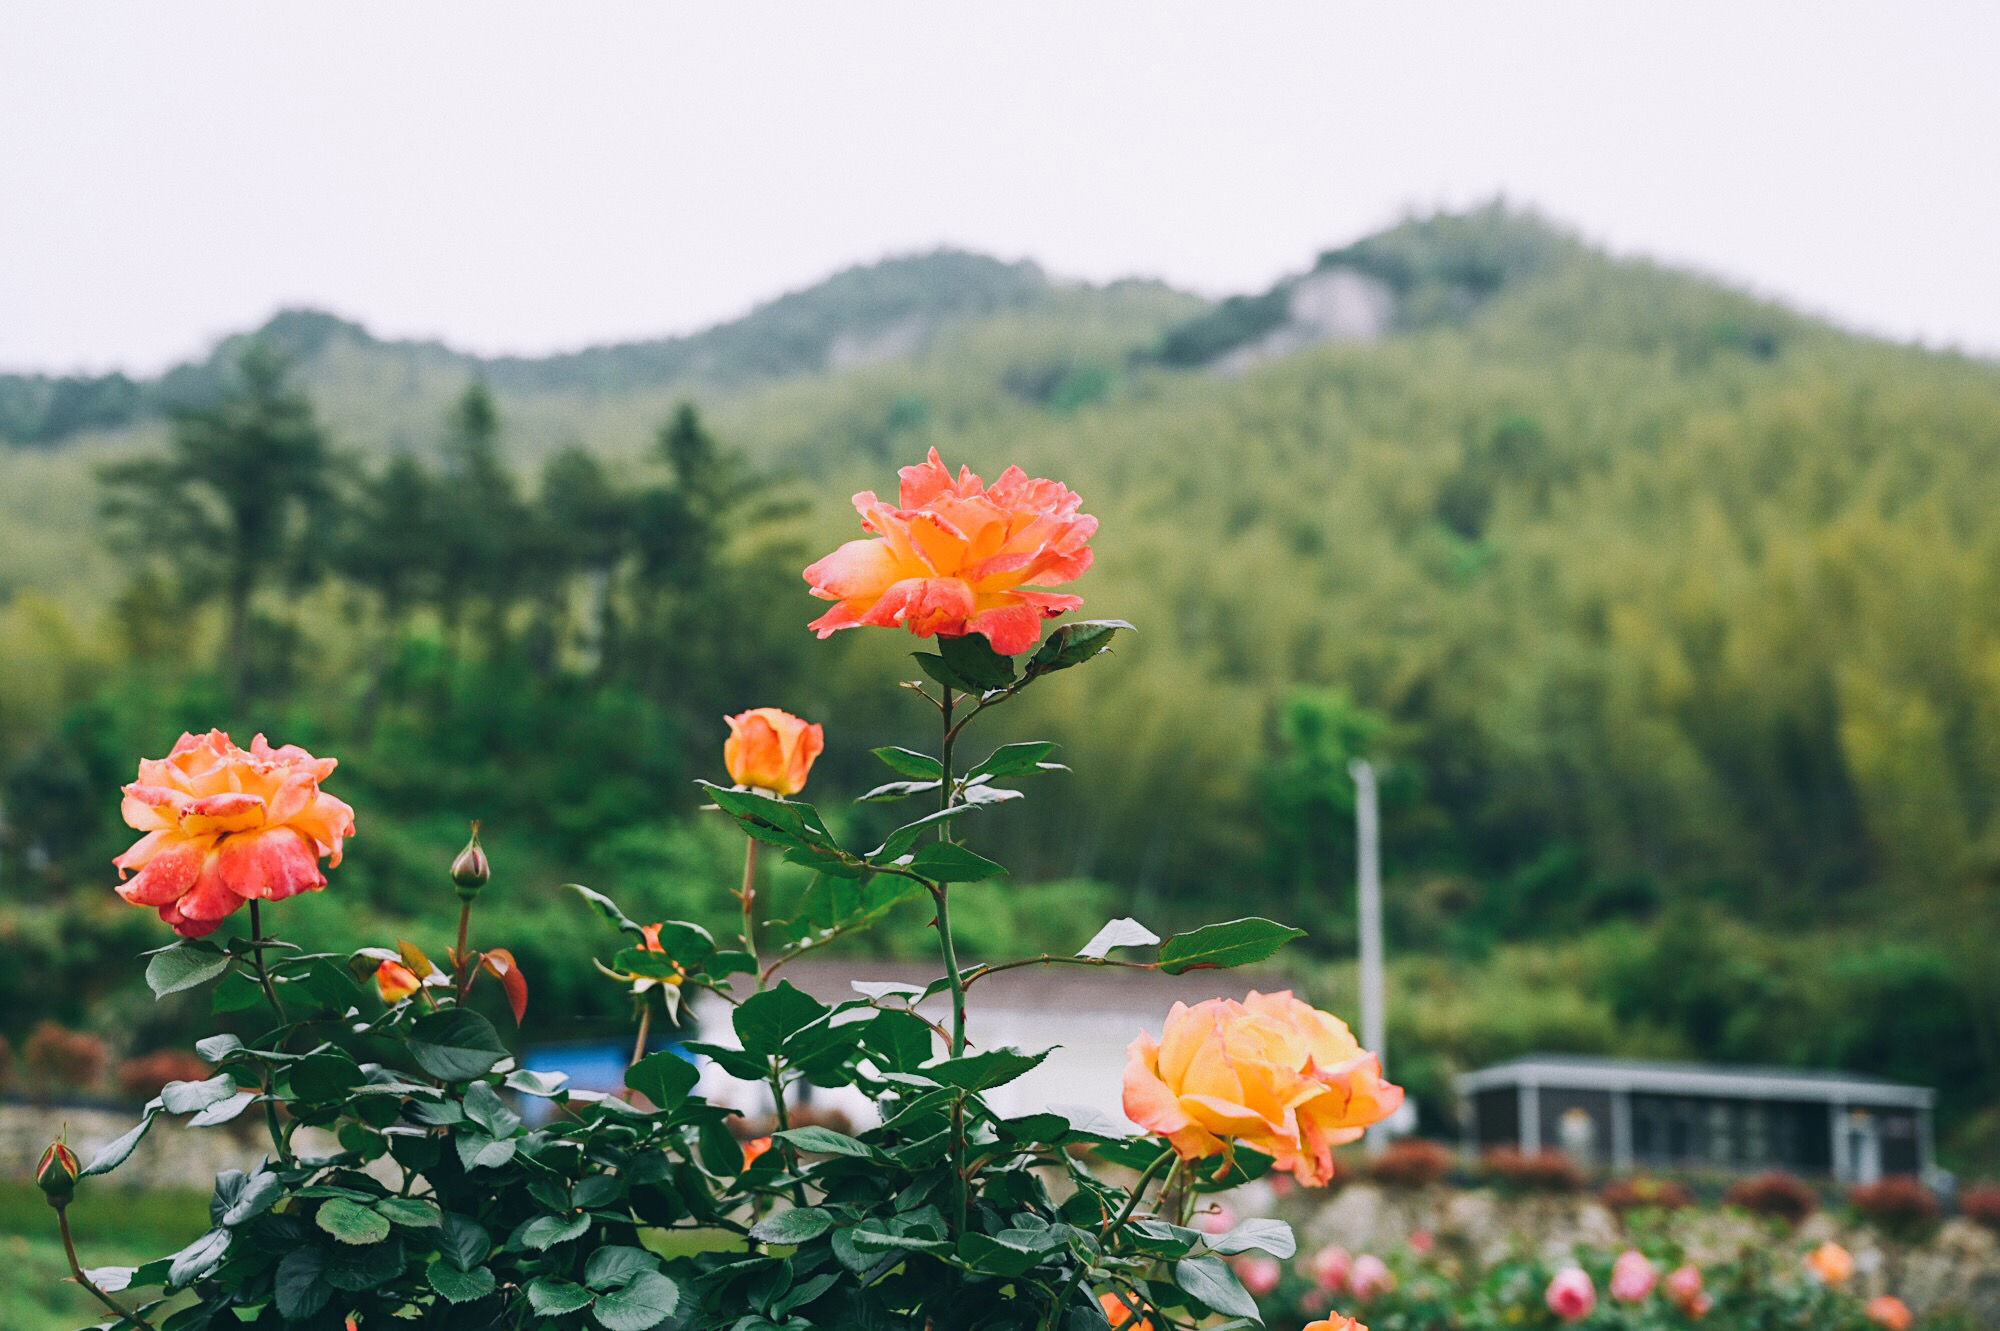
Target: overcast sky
528, 177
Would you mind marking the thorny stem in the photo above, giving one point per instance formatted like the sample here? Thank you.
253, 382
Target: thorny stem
465, 974
1112, 1227
784, 1124
639, 1045
76, 1272
748, 896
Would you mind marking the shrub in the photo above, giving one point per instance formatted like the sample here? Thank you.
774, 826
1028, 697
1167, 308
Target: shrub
1642, 1190
1774, 1193
1899, 1205
63, 1059
1411, 1163
1981, 1204
1543, 1171
141, 1078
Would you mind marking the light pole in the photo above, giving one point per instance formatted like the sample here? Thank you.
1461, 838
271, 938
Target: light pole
1368, 891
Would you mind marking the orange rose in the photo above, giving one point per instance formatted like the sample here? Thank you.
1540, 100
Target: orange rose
1831, 1263
1271, 1072
1889, 1312
395, 981
1119, 1313
224, 826
771, 750
959, 557
753, 1148
1335, 1322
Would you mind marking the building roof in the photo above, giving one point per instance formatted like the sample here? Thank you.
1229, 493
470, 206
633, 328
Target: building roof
1590, 1073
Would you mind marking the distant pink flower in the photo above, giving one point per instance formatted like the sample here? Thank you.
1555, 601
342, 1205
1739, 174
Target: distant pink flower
1421, 1242
1571, 1296
1633, 1276
1218, 1219
1683, 1287
1260, 1275
1330, 1267
1371, 1276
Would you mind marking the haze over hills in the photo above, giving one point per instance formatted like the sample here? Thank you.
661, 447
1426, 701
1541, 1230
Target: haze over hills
1674, 615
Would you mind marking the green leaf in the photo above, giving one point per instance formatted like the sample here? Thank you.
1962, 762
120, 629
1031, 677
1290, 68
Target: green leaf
765, 1021
794, 1226
464, 1241
650, 1299
983, 1071
351, 1222
664, 1078
545, 1231
901, 790
825, 1141
1017, 760
260, 1192
218, 1049
1210, 1281
607, 908
484, 1106
460, 1286
906, 762
617, 1265
222, 1111
1220, 946
410, 1212
185, 965
746, 1067
300, 1285
325, 1077
476, 1150
948, 862
119, 1151
1073, 644
899, 841
551, 1296
456, 1044
198, 1258
191, 1097
1126, 932
1266, 1236
996, 1256
972, 658
939, 670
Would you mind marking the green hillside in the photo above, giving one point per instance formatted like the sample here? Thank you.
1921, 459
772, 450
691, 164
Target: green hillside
1669, 611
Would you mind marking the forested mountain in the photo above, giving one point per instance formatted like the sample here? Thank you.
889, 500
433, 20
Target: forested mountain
1670, 614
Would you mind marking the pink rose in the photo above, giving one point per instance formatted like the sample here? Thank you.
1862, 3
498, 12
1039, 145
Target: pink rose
1632, 1276
1330, 1267
1370, 1276
1259, 1274
1571, 1295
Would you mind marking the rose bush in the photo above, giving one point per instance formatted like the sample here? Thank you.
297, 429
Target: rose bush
439, 1205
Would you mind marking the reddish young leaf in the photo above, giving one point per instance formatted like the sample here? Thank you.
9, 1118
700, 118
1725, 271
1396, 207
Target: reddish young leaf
500, 964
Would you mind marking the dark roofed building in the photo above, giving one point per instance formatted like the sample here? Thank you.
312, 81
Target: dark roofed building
1623, 1114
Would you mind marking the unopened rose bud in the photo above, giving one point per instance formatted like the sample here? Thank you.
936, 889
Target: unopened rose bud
470, 870
395, 981
56, 1174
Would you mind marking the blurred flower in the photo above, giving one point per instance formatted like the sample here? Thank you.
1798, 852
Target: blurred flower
1329, 1268
1335, 1322
1276, 1074
224, 826
1889, 1312
1259, 1274
1421, 1242
958, 557
1570, 1294
771, 750
395, 981
56, 1174
753, 1148
1119, 1313
1830, 1264
1371, 1276
1683, 1286
1632, 1276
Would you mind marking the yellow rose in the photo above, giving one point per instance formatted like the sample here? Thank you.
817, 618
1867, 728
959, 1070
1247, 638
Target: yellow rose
1274, 1073
771, 750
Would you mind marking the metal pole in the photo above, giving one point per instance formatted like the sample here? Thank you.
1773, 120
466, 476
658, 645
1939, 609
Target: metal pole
1368, 889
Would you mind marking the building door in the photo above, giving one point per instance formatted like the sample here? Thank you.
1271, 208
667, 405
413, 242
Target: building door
1864, 1147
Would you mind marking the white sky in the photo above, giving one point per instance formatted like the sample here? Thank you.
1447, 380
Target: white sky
528, 177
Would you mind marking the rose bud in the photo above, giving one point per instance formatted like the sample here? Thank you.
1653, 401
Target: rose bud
1570, 1295
395, 981
771, 750
56, 1174
470, 870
